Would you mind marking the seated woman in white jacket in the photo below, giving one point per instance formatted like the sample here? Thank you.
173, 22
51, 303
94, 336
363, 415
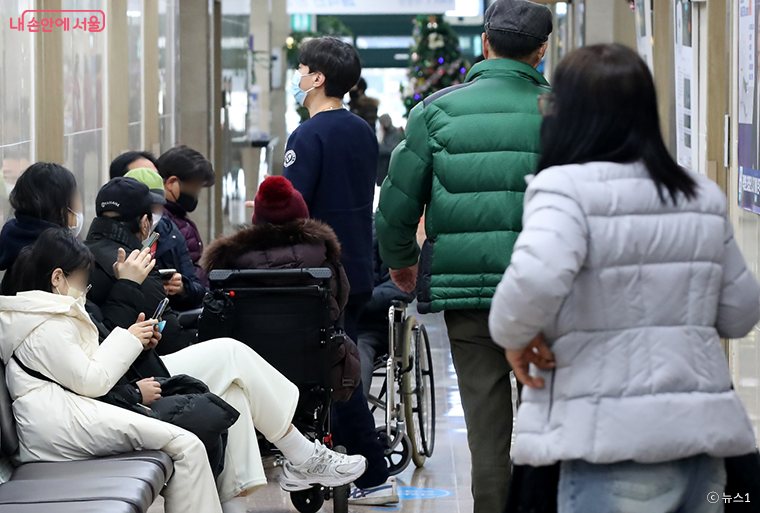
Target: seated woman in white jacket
46, 327
621, 284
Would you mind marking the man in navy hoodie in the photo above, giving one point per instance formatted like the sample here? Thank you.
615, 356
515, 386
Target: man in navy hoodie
331, 159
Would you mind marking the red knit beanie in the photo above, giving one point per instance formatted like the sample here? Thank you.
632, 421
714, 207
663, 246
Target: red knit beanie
277, 202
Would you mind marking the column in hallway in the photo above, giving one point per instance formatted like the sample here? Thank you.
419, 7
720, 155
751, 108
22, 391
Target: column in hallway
150, 81
48, 92
278, 105
260, 31
194, 101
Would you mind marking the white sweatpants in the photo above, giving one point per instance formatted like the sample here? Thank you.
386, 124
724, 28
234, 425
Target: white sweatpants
265, 399
191, 487
84, 428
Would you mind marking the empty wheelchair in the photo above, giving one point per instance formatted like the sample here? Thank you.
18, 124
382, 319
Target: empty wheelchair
407, 395
284, 315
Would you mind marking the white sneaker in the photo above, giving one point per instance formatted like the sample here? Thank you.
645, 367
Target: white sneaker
386, 493
325, 467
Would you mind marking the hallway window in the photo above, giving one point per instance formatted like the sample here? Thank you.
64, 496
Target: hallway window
15, 101
134, 63
167, 72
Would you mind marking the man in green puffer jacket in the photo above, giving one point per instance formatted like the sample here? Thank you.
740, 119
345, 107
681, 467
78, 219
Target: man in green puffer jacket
463, 163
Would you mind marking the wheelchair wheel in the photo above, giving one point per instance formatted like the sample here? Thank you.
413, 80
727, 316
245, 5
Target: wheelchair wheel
409, 385
424, 391
308, 501
340, 494
400, 457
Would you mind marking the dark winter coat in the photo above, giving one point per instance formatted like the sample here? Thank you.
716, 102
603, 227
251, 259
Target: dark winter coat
366, 108
172, 253
121, 301
192, 235
18, 233
185, 401
385, 150
300, 243
375, 315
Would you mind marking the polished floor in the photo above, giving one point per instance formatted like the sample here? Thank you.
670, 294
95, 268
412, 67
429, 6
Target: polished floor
443, 484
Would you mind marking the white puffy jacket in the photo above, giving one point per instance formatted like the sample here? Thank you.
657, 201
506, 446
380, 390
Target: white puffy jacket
632, 295
53, 335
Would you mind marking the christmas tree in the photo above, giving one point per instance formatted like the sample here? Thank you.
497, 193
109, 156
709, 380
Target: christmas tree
436, 61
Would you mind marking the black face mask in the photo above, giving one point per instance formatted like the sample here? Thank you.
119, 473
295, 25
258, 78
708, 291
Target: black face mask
354, 95
187, 201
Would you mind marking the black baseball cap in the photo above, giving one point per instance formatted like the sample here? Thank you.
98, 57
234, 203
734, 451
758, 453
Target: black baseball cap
520, 17
124, 196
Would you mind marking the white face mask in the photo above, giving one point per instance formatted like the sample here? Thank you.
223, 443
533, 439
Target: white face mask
156, 220
76, 230
78, 295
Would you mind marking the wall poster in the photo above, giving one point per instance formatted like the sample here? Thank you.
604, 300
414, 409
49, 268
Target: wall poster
748, 135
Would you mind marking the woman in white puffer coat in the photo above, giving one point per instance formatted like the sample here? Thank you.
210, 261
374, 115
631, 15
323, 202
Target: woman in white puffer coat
621, 284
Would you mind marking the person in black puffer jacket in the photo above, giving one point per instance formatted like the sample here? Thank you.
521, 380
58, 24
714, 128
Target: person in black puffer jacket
124, 219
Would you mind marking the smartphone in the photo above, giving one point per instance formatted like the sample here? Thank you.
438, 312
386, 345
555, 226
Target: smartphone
166, 274
161, 307
149, 241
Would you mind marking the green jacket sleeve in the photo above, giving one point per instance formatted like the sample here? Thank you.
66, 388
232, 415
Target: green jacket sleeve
404, 195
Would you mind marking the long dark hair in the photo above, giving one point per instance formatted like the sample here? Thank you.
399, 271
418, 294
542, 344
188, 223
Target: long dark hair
604, 109
55, 248
44, 191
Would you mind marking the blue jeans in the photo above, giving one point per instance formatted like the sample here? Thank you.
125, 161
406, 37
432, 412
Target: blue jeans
680, 486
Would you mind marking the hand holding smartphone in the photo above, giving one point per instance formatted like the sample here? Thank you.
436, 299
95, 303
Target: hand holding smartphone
159, 312
166, 274
150, 240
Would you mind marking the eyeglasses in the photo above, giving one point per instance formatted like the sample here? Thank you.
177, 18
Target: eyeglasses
546, 104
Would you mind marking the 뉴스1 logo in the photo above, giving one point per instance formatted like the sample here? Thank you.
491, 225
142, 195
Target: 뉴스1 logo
290, 158
95, 23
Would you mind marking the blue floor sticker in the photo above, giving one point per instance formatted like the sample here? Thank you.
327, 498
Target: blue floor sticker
410, 493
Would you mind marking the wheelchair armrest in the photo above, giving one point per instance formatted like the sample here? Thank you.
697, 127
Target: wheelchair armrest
189, 319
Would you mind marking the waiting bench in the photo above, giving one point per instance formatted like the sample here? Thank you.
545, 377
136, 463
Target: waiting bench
124, 483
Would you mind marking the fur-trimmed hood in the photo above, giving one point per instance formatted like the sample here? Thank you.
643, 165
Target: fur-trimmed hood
226, 252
